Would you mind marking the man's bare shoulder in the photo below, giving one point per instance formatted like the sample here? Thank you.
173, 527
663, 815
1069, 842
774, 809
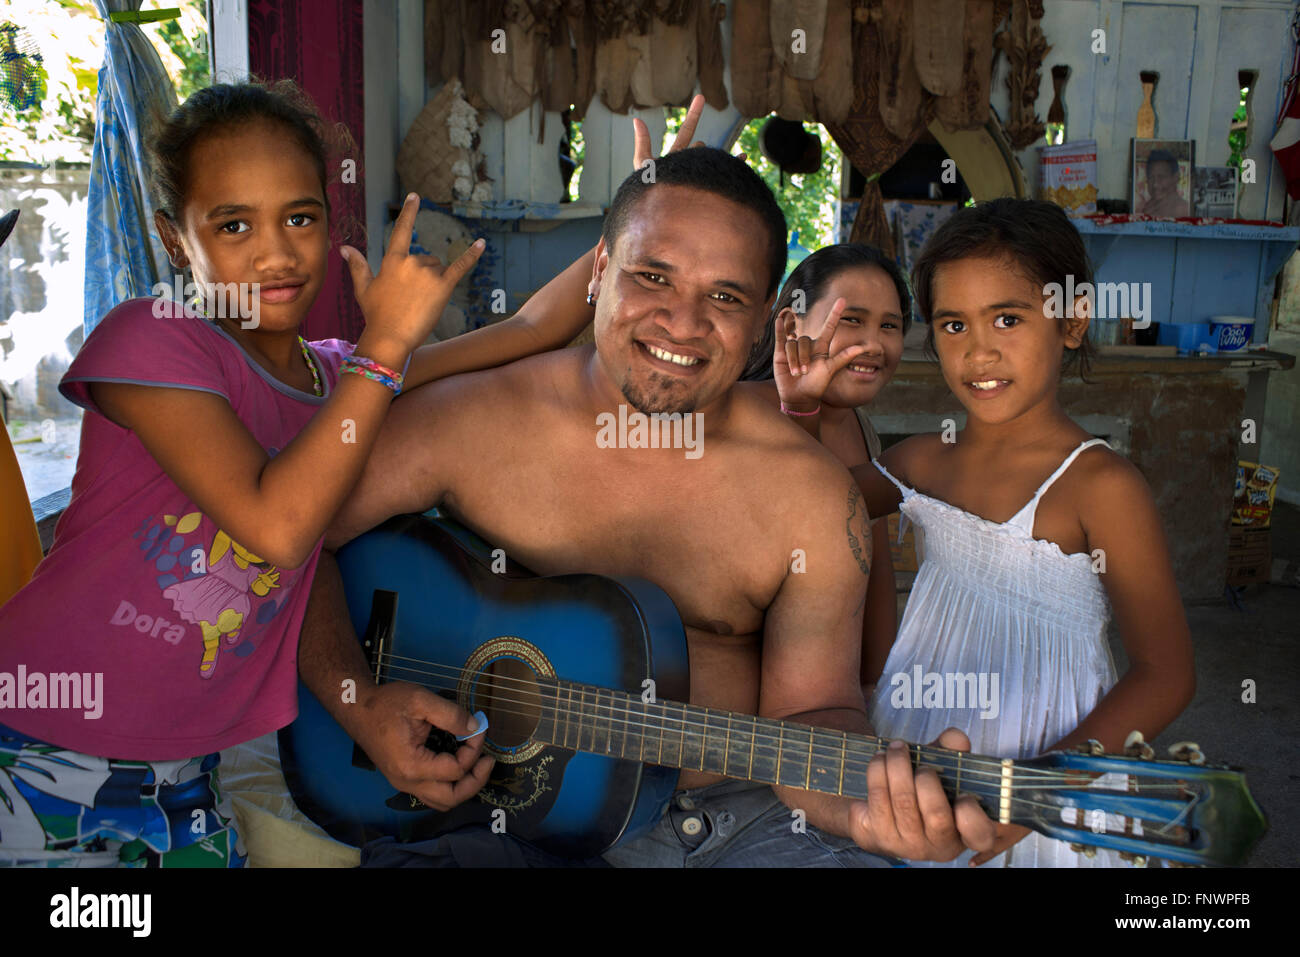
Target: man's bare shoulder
761, 428
784, 467
531, 382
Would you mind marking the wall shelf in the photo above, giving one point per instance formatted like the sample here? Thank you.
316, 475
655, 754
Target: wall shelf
1195, 270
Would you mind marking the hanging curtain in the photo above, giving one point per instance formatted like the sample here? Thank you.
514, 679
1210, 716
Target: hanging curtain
124, 256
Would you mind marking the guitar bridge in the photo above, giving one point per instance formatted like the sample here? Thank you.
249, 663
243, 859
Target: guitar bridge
376, 642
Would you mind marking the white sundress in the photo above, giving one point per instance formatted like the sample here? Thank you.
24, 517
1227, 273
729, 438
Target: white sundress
992, 600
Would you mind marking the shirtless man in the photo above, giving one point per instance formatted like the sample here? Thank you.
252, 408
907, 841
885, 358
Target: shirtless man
684, 275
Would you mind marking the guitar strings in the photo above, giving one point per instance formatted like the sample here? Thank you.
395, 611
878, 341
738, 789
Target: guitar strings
686, 724
1065, 779
1152, 825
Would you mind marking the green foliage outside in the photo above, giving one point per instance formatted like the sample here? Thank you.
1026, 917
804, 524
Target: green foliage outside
1237, 138
808, 200
70, 37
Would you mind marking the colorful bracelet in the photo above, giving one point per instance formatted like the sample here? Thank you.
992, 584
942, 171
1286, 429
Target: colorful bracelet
370, 369
789, 411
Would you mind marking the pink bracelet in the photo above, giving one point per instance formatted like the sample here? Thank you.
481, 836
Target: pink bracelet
788, 411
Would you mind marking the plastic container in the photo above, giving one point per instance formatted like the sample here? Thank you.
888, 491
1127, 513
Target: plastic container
1231, 333
1189, 337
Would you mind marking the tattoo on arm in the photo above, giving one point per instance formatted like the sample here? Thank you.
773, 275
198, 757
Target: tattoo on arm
858, 526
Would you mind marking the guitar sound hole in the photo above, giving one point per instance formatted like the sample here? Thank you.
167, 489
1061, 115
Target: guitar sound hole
507, 692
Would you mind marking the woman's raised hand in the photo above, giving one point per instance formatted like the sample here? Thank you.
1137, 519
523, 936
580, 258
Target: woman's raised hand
403, 302
801, 361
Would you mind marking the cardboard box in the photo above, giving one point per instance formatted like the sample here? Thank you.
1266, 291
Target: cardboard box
1250, 556
1253, 494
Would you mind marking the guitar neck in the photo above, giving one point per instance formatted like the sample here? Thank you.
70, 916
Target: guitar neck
748, 748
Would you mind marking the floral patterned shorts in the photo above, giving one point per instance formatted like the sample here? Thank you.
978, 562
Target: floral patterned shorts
61, 808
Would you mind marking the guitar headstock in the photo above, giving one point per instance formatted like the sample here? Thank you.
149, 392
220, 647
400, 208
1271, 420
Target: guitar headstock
1183, 810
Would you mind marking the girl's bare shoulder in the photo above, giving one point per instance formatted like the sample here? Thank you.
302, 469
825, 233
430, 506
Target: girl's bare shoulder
914, 457
1106, 483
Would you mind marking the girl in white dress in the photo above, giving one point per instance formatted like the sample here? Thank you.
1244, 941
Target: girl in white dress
1036, 533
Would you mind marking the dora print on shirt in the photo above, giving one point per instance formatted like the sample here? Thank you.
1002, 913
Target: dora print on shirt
217, 587
196, 636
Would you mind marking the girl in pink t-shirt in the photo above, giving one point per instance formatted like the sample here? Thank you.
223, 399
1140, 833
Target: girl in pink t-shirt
217, 445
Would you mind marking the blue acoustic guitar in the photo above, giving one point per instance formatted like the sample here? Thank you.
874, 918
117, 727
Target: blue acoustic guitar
580, 677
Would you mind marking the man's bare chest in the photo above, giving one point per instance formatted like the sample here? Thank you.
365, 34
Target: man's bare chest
708, 546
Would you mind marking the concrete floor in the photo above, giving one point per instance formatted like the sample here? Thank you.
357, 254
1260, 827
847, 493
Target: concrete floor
1258, 640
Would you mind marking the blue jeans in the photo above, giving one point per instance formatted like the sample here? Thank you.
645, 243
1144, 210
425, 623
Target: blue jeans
732, 824
738, 824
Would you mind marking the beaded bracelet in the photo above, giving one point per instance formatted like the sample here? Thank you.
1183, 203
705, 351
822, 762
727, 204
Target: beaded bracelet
372, 370
789, 411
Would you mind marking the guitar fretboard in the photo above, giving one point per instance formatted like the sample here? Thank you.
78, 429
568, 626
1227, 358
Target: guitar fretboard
764, 750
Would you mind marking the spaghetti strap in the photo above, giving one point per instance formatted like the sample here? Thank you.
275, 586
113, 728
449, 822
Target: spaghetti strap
904, 491
1024, 518
885, 472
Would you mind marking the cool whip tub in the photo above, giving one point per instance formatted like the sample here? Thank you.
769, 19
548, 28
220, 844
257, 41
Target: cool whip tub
1231, 333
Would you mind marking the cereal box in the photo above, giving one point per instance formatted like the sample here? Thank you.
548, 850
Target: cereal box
1067, 176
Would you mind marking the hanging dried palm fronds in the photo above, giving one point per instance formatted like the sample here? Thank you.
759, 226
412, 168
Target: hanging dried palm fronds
673, 64
708, 44
833, 89
583, 30
755, 76
555, 66
1025, 47
937, 32
968, 108
900, 87
798, 30
444, 30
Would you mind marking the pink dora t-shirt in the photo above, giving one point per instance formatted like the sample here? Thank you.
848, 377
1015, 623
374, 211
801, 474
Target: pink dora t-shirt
196, 638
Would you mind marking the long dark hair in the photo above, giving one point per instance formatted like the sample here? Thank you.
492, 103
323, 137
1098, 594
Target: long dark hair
1037, 236
812, 276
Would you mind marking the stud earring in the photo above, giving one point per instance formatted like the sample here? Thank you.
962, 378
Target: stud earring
591, 300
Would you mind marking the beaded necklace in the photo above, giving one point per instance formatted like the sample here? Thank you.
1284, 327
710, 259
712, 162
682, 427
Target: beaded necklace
315, 376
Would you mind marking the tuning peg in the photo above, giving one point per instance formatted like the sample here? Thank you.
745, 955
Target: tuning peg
1137, 860
1135, 746
1085, 851
1092, 746
1188, 751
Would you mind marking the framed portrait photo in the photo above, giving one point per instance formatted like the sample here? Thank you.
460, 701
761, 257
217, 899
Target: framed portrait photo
1161, 183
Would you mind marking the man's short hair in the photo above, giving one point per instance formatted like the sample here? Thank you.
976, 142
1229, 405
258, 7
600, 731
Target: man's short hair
713, 171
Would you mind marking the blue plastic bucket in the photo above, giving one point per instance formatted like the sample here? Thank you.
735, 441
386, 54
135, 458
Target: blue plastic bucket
1187, 336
